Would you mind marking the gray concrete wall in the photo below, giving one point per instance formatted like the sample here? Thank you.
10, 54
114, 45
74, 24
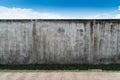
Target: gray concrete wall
59, 41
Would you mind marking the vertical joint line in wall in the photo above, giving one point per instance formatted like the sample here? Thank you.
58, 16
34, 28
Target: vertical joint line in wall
91, 32
92, 26
95, 38
34, 40
117, 39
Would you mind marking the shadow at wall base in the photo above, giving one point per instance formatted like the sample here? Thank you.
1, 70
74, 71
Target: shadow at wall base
111, 67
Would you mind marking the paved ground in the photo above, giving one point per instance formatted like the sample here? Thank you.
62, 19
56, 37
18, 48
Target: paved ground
59, 75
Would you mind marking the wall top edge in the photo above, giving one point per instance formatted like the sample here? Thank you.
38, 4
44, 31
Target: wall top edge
59, 19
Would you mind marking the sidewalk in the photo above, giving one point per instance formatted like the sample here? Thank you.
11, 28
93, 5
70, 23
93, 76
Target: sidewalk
60, 75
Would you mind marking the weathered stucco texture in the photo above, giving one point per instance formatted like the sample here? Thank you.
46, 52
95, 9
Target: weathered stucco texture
59, 41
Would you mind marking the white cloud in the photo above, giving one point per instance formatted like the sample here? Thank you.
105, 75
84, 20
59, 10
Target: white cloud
99, 16
21, 13
117, 16
119, 8
107, 15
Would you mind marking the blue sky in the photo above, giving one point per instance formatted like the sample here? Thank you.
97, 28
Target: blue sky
67, 7
61, 4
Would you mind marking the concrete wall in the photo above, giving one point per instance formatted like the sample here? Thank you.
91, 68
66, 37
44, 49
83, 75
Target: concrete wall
59, 41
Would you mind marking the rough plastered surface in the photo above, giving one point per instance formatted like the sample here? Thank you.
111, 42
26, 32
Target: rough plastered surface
59, 41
